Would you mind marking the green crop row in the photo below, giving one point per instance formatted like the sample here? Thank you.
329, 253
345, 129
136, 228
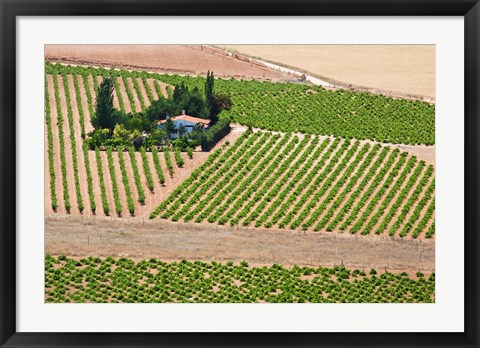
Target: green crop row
103, 189
158, 167
136, 175
63, 161
51, 162
113, 177
178, 157
146, 169
126, 184
168, 160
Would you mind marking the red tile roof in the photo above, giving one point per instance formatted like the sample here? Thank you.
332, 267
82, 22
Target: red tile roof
192, 119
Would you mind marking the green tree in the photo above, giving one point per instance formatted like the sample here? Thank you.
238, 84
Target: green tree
209, 88
218, 103
104, 117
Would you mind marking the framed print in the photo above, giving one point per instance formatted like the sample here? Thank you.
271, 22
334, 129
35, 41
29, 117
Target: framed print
239, 174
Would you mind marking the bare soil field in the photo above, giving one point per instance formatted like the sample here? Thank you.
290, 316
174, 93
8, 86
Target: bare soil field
76, 236
408, 69
182, 59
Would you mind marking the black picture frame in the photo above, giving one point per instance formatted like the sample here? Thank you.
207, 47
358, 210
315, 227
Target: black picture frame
9, 337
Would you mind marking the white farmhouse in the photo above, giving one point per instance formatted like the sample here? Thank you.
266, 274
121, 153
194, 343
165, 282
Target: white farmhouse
189, 122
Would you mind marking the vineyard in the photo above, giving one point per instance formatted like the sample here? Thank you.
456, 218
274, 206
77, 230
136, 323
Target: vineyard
106, 182
308, 183
153, 281
290, 107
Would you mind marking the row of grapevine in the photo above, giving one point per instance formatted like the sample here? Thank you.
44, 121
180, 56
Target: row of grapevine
113, 178
136, 175
126, 184
51, 163
103, 187
146, 169
344, 186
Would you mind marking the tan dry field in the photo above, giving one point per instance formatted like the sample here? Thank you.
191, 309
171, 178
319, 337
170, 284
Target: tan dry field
79, 237
408, 69
153, 199
182, 59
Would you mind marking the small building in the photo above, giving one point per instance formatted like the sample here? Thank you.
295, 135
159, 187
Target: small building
189, 122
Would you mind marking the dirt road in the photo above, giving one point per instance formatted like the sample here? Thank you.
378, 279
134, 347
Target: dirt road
77, 237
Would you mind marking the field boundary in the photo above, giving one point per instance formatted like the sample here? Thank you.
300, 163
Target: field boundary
82, 236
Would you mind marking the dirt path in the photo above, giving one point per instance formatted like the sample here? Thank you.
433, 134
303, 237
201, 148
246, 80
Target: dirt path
82, 237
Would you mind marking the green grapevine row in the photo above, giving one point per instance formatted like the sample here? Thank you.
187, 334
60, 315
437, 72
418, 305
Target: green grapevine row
103, 188
51, 163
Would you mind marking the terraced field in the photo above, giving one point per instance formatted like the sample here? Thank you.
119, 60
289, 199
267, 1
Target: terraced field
112, 182
153, 281
308, 183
